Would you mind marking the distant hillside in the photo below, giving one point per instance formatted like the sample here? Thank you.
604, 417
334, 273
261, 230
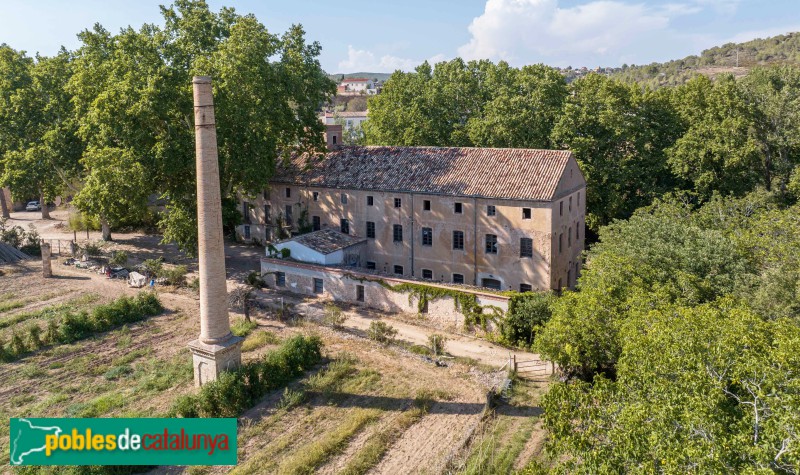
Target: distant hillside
379, 76
782, 49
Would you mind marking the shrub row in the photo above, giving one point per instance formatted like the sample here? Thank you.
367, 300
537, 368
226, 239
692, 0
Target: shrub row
236, 391
74, 326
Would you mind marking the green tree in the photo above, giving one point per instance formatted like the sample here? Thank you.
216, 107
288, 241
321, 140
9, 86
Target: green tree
716, 153
524, 107
617, 133
773, 97
133, 91
114, 189
46, 157
707, 389
15, 69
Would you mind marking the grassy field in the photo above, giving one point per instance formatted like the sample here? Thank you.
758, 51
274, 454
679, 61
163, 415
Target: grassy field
367, 408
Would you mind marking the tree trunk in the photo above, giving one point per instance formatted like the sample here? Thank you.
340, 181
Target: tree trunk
45, 211
106, 229
246, 307
3, 205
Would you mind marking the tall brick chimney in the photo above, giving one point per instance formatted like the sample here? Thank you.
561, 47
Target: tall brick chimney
217, 349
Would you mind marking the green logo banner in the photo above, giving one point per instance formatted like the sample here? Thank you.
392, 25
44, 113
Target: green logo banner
53, 441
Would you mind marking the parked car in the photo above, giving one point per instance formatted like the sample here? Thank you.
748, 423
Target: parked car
33, 206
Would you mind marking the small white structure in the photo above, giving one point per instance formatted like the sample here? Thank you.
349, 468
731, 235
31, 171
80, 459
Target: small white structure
325, 247
357, 84
137, 280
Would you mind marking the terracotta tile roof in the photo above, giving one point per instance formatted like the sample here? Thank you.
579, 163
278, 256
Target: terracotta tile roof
326, 241
524, 174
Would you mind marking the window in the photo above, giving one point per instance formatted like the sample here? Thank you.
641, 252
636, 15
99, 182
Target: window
267, 213
427, 237
288, 192
316, 225
247, 232
525, 247
458, 278
288, 214
426, 205
427, 274
315, 195
569, 237
318, 286
398, 202
266, 195
280, 279
398, 270
397, 233
359, 293
246, 211
526, 213
570, 203
491, 210
560, 242
577, 269
491, 244
559, 285
579, 198
525, 288
577, 233
344, 226
561, 208
371, 265
569, 275
344, 199
458, 239
370, 201
458, 208
371, 229
491, 283
334, 140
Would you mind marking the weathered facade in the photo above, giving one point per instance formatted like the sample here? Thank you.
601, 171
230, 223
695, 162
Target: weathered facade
510, 219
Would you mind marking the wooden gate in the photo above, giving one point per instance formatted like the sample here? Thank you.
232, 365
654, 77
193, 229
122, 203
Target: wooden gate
529, 369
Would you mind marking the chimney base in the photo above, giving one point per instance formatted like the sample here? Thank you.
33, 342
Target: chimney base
211, 360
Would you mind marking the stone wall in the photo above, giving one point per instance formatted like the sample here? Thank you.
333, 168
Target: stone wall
341, 285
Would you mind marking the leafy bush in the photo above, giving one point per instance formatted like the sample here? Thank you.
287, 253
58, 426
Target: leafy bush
78, 221
152, 267
436, 343
286, 253
334, 316
236, 391
291, 398
34, 336
93, 249
381, 332
118, 259
527, 314
174, 275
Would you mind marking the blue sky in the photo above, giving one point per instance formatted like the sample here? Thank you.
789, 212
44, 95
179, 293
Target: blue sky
382, 36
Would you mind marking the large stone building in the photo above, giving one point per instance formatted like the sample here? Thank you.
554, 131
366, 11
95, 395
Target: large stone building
509, 219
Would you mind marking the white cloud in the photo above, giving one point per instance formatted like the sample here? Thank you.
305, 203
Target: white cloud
594, 32
367, 61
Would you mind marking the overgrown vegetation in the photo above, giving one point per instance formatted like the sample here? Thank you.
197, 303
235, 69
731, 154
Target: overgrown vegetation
686, 319
381, 332
333, 315
71, 326
236, 391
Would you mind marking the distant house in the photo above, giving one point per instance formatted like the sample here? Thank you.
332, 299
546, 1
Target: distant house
348, 119
357, 84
